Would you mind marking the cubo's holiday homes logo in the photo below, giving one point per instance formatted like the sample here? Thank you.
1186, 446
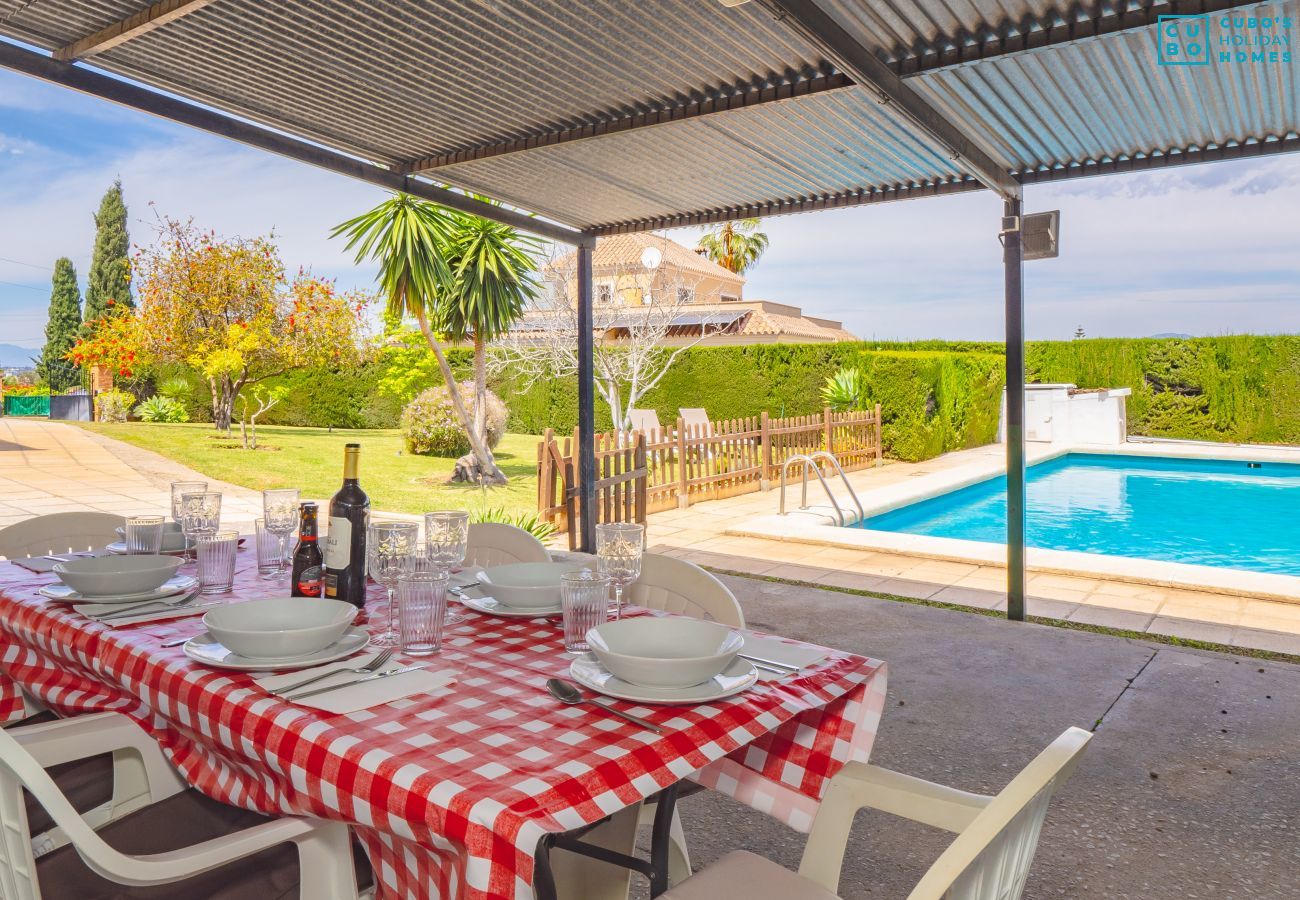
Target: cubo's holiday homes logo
1260, 38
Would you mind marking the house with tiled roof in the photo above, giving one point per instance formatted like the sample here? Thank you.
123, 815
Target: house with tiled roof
635, 273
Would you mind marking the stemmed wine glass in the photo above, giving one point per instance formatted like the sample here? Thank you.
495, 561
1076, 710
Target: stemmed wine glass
200, 511
179, 490
446, 541
280, 515
392, 553
619, 546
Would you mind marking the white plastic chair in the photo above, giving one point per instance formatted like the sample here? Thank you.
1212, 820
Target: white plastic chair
989, 860
696, 418
499, 544
677, 586
67, 532
324, 855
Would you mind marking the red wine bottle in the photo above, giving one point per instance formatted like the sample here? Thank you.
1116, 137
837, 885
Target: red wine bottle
308, 565
345, 549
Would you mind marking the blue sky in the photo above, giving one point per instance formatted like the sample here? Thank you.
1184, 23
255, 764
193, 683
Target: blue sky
1204, 250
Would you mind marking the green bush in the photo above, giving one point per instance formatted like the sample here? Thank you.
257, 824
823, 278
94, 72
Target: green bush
529, 522
161, 409
430, 426
113, 406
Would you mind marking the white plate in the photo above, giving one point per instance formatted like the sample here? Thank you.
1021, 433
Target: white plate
204, 648
491, 607
177, 584
739, 676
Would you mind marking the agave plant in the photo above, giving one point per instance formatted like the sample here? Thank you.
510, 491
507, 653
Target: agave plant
846, 390
529, 522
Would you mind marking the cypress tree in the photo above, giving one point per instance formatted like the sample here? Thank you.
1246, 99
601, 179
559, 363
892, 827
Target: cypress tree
110, 271
63, 322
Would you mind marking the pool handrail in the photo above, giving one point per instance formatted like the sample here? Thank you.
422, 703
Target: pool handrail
809, 461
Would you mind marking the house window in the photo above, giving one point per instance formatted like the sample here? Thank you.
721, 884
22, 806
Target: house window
730, 298
685, 295
604, 293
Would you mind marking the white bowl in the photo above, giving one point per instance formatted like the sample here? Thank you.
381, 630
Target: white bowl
173, 537
671, 652
526, 585
100, 575
279, 628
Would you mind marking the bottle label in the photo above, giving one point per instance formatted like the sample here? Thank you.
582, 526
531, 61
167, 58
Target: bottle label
338, 546
309, 582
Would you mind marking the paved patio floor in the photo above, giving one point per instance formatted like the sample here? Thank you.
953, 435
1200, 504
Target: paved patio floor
48, 467
1191, 788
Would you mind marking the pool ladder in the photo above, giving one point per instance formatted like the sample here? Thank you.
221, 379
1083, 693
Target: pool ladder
809, 461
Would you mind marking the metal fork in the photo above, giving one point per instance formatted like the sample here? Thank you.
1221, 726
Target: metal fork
368, 669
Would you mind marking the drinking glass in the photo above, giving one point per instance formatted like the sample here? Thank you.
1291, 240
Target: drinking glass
394, 547
143, 535
216, 555
269, 557
619, 546
280, 514
179, 490
422, 602
446, 541
584, 597
200, 511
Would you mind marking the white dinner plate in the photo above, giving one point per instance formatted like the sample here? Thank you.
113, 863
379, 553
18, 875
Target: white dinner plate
177, 584
739, 676
489, 606
118, 548
204, 648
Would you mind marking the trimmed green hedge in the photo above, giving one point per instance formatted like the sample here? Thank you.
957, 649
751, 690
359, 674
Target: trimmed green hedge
937, 396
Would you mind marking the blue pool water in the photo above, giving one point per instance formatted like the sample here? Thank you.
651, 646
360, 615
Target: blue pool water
1207, 512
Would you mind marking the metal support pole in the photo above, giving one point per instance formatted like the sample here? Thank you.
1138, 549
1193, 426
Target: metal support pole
586, 400
1013, 262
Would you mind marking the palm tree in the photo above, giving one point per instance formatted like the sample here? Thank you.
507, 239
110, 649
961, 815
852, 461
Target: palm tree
735, 245
491, 280
413, 241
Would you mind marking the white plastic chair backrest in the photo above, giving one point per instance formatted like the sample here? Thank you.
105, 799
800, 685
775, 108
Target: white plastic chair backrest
697, 420
66, 532
499, 544
646, 420
18, 770
677, 586
991, 858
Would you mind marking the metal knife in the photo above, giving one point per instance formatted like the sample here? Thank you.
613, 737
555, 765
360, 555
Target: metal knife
335, 687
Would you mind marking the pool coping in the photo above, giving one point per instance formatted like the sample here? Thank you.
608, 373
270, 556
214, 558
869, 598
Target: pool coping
816, 525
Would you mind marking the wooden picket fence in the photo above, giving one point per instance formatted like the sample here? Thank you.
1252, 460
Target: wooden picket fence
675, 466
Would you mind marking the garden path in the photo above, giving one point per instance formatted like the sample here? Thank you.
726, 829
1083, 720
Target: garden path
49, 467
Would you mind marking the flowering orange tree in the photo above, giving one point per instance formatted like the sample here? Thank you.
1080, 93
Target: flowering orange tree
224, 307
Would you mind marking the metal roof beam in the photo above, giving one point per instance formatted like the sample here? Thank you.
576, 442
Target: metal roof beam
1019, 36
741, 98
861, 64
126, 94
143, 22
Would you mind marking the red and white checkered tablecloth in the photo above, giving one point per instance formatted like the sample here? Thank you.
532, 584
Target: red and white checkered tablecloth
450, 793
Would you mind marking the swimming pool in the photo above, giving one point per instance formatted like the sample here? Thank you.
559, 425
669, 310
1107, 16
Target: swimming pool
1230, 514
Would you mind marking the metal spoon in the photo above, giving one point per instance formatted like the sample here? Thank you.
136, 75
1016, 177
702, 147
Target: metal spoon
567, 693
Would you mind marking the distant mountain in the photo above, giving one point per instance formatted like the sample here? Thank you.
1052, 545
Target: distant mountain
13, 355
1173, 335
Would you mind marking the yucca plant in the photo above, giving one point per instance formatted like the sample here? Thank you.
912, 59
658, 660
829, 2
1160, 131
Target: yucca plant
529, 522
846, 390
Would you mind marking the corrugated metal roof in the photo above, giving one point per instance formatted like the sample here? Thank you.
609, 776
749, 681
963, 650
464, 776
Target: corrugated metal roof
397, 81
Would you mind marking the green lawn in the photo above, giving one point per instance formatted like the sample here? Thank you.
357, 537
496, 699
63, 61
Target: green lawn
311, 459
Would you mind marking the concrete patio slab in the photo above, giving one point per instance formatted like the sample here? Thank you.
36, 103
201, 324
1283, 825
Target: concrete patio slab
1191, 788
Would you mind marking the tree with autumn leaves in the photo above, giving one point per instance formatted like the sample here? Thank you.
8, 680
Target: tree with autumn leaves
225, 308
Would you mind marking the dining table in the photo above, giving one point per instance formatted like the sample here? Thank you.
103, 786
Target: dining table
460, 793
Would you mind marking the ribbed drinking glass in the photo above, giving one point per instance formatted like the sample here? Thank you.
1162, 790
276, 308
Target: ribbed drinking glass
584, 599
143, 535
421, 605
216, 555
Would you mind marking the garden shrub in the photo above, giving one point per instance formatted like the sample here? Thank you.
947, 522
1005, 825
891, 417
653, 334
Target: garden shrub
113, 406
430, 426
159, 408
